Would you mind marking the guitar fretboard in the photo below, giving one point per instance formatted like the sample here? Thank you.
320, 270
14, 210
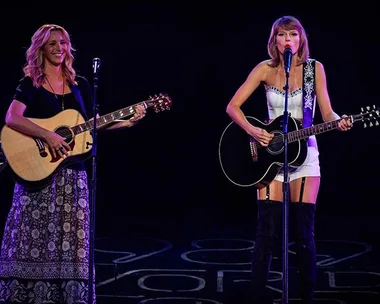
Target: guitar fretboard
313, 130
108, 118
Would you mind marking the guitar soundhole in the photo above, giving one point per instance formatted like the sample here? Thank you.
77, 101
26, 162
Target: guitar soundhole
276, 146
65, 133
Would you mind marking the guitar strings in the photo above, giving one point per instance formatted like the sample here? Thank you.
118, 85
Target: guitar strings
280, 138
131, 111
276, 139
66, 133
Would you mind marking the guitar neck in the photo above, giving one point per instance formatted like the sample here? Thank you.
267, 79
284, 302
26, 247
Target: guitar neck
328, 126
313, 130
371, 114
109, 118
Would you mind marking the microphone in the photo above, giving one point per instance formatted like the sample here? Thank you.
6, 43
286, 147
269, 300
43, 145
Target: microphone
96, 65
287, 58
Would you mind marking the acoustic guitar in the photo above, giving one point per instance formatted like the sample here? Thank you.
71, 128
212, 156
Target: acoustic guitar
31, 160
246, 163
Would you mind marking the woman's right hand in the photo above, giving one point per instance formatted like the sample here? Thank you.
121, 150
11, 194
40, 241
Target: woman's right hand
57, 144
261, 135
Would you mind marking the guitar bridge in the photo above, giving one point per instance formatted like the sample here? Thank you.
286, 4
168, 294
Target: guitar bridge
40, 146
253, 148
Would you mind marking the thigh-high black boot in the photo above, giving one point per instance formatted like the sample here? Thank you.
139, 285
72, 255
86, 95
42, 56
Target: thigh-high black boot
267, 234
305, 247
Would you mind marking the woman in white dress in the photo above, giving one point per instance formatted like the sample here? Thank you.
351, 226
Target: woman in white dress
286, 31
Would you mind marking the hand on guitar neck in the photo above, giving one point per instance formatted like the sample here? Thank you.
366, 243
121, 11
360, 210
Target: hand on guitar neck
345, 124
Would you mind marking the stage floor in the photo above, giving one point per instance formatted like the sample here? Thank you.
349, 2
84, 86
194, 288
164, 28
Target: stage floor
212, 266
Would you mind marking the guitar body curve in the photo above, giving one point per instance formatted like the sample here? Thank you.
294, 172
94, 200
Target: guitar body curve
31, 160
246, 163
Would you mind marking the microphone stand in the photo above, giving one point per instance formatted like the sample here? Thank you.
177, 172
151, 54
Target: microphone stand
285, 205
95, 66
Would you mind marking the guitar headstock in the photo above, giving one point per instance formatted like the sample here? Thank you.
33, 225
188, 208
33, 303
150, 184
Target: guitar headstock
160, 102
369, 116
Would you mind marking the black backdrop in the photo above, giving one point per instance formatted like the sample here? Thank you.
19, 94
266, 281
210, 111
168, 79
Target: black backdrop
164, 172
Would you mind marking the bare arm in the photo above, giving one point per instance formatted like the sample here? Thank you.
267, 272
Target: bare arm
253, 80
322, 94
119, 125
256, 76
16, 120
323, 99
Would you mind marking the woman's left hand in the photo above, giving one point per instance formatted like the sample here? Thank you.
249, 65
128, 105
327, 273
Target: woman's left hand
345, 123
139, 114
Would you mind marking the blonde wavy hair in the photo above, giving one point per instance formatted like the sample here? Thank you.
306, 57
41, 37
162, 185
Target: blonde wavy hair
287, 23
34, 66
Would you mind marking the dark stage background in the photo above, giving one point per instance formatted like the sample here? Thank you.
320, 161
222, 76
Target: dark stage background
164, 173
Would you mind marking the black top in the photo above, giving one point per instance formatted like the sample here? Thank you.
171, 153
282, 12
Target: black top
41, 103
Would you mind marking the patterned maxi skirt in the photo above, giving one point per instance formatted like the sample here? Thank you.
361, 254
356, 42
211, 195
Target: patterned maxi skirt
45, 248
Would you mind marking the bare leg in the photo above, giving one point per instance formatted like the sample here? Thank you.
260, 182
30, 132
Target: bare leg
309, 192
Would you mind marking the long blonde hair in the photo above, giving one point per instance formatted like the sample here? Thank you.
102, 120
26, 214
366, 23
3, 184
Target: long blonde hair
34, 66
287, 23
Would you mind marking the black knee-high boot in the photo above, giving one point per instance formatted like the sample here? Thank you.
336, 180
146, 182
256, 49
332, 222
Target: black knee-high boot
267, 233
305, 246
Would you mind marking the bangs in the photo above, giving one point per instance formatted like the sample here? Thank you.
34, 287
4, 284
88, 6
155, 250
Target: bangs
287, 25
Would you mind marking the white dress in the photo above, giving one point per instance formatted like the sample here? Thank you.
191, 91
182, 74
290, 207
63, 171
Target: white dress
276, 103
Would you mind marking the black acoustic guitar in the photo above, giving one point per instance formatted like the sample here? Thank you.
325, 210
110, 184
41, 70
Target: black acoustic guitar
246, 163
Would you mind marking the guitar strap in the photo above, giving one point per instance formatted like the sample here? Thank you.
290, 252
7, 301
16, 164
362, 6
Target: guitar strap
308, 92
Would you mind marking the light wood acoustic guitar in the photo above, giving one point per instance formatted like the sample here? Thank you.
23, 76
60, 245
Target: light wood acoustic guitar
31, 160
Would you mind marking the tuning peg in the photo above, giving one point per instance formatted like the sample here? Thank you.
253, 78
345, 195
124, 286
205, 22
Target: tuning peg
376, 123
